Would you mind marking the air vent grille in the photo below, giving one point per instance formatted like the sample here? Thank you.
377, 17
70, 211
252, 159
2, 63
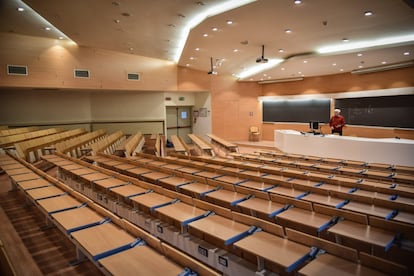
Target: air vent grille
17, 70
81, 73
134, 76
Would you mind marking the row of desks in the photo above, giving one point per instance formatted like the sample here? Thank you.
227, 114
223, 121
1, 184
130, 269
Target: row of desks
363, 172
227, 231
113, 250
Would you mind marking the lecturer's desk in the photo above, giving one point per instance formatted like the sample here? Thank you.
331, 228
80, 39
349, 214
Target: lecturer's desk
287, 254
76, 219
327, 264
372, 150
363, 233
218, 230
100, 239
139, 260
180, 214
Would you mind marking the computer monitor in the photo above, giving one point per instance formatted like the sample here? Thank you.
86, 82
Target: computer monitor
314, 126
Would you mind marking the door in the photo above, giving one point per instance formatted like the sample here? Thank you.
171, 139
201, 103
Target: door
179, 122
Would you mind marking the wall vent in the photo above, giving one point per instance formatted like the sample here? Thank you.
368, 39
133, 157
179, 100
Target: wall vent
134, 76
17, 70
81, 73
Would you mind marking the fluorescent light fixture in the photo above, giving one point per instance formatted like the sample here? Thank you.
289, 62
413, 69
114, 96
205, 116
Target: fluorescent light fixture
366, 44
383, 67
279, 80
217, 9
259, 68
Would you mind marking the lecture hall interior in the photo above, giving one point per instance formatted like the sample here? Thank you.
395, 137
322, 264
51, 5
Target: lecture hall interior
193, 137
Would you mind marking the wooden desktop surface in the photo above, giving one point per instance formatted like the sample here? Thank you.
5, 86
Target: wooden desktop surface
128, 190
24, 177
44, 192
219, 227
197, 187
140, 260
151, 199
16, 171
362, 232
189, 170
327, 264
155, 175
109, 182
76, 217
95, 176
273, 248
125, 166
323, 199
174, 181
256, 185
81, 172
172, 166
139, 170
290, 192
226, 195
58, 203
370, 209
180, 211
72, 167
231, 179
35, 183
261, 205
102, 238
305, 217
208, 174
11, 166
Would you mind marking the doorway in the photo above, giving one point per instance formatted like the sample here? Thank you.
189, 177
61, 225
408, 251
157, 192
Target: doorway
179, 122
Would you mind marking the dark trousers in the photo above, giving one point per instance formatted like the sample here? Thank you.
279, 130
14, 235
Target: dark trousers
337, 131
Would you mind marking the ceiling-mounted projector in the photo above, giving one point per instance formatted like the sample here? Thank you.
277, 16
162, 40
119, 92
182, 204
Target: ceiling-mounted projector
262, 59
211, 72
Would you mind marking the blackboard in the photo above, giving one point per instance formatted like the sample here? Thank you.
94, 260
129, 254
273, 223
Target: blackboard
386, 111
301, 111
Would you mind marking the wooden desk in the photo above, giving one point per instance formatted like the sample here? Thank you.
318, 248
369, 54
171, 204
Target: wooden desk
280, 251
33, 184
81, 172
127, 191
71, 167
404, 217
24, 177
11, 166
181, 214
266, 208
369, 209
16, 171
178, 146
189, 170
139, 260
196, 189
92, 177
172, 166
225, 230
275, 179
200, 143
151, 201
154, 177
327, 264
173, 182
363, 233
75, 219
227, 145
225, 198
108, 183
136, 172
286, 191
234, 180
296, 216
101, 238
44, 192
208, 174
59, 203
256, 185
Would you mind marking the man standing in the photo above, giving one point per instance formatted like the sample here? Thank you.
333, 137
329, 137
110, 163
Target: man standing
337, 122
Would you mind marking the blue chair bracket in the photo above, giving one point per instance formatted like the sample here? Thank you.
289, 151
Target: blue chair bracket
206, 214
234, 203
71, 230
302, 195
51, 196
67, 209
116, 186
312, 253
342, 204
391, 215
207, 192
240, 236
187, 272
119, 249
276, 212
390, 243
240, 182
353, 190
152, 209
328, 224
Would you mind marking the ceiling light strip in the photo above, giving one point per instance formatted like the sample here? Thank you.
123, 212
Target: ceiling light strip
215, 10
259, 68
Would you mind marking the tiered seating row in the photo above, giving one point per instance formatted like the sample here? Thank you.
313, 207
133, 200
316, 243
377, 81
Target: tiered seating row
179, 145
108, 144
354, 167
10, 140
230, 147
205, 147
29, 150
132, 145
194, 227
99, 235
74, 146
13, 131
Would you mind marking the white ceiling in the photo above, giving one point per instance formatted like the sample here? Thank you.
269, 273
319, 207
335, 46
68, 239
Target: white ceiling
153, 28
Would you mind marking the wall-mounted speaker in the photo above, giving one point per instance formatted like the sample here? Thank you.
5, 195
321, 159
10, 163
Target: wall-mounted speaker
17, 70
81, 73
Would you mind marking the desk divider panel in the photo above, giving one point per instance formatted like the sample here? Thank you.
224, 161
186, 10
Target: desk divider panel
265, 225
221, 211
359, 218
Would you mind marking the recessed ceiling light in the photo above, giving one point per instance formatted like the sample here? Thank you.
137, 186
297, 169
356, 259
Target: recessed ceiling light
205, 35
288, 31
214, 29
171, 25
406, 53
117, 21
384, 62
197, 49
305, 61
359, 54
333, 64
341, 70
60, 37
115, 3
229, 22
297, 2
187, 64
281, 51
191, 58
368, 13
235, 50
20, 9
47, 28
345, 39
283, 69
360, 66
131, 49
200, 3
299, 73
259, 68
